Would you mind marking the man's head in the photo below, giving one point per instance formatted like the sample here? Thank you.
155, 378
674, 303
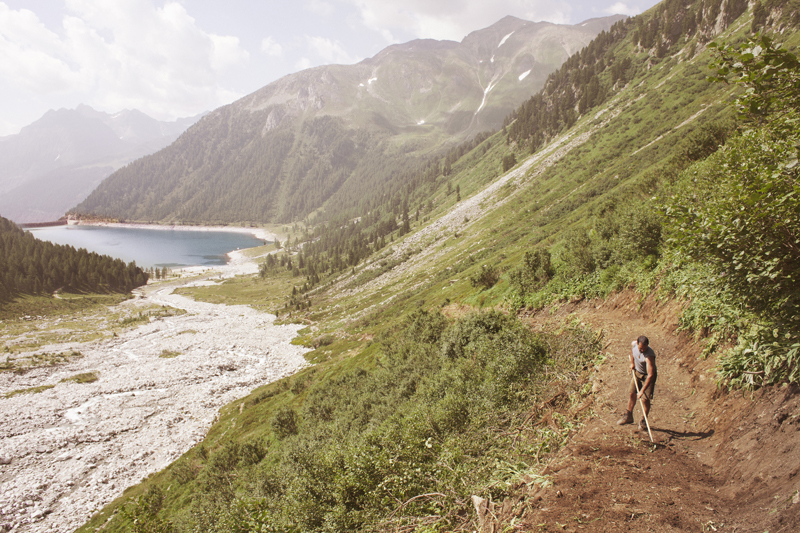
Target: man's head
643, 343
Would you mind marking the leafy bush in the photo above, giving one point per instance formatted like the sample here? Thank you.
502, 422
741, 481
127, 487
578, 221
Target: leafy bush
738, 211
284, 423
639, 232
184, 471
485, 278
610, 279
470, 329
770, 74
630, 233
323, 340
578, 256
143, 513
533, 273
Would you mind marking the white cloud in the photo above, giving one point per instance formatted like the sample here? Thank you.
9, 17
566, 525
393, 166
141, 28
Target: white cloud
227, 52
622, 9
270, 47
320, 8
31, 55
126, 53
330, 51
303, 63
451, 19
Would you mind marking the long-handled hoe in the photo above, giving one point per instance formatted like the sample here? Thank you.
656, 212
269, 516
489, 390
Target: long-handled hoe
641, 402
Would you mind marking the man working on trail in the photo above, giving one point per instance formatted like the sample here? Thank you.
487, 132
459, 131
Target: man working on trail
643, 364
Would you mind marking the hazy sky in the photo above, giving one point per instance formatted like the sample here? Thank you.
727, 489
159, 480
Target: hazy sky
177, 58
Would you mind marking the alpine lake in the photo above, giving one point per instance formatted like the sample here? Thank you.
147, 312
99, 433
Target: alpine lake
153, 247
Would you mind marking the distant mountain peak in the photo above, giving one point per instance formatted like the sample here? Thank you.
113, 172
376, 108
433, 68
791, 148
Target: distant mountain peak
56, 161
314, 134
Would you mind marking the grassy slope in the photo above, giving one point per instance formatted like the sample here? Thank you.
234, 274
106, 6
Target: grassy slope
616, 164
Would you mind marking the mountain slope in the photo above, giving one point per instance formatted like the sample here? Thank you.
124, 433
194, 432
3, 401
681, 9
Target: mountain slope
326, 136
55, 162
341, 454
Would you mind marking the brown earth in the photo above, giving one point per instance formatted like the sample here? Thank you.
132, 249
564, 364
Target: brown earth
721, 460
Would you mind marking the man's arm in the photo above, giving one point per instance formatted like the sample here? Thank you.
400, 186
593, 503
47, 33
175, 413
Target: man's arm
630, 355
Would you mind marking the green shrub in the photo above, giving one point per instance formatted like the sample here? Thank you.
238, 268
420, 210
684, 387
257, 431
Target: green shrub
610, 280
323, 340
639, 232
284, 423
184, 471
424, 326
762, 356
86, 377
143, 513
485, 278
470, 329
534, 272
577, 255
434, 415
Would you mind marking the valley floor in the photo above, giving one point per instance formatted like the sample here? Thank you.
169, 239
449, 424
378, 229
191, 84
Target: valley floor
721, 461
76, 446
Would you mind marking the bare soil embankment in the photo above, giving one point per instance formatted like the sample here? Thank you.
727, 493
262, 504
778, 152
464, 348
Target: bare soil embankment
76, 446
722, 461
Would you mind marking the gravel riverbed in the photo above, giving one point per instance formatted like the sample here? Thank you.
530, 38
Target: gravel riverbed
67, 451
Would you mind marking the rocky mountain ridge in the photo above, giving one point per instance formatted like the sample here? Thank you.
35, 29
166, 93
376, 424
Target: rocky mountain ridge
57, 160
323, 136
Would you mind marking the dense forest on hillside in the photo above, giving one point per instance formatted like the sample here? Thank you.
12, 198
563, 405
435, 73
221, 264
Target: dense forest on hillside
275, 187
348, 171
31, 266
590, 77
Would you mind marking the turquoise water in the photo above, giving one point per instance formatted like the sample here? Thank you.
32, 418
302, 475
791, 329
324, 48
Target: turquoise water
151, 247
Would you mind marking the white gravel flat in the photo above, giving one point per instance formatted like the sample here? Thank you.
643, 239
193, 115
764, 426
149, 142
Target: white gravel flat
75, 447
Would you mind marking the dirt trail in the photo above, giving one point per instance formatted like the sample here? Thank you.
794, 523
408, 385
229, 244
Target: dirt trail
721, 461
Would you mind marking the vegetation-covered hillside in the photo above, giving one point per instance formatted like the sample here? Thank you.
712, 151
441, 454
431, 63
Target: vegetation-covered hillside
429, 394
31, 266
336, 138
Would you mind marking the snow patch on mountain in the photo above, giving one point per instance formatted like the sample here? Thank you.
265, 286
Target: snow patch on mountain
524, 75
504, 39
486, 91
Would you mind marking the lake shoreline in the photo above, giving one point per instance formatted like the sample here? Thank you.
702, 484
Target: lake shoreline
259, 233
227, 244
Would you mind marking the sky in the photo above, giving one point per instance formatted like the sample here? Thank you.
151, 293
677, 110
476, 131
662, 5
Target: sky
178, 58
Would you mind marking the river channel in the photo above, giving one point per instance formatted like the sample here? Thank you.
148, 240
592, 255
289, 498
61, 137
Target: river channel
75, 447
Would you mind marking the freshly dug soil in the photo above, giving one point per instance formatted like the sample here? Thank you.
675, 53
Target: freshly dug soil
721, 460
